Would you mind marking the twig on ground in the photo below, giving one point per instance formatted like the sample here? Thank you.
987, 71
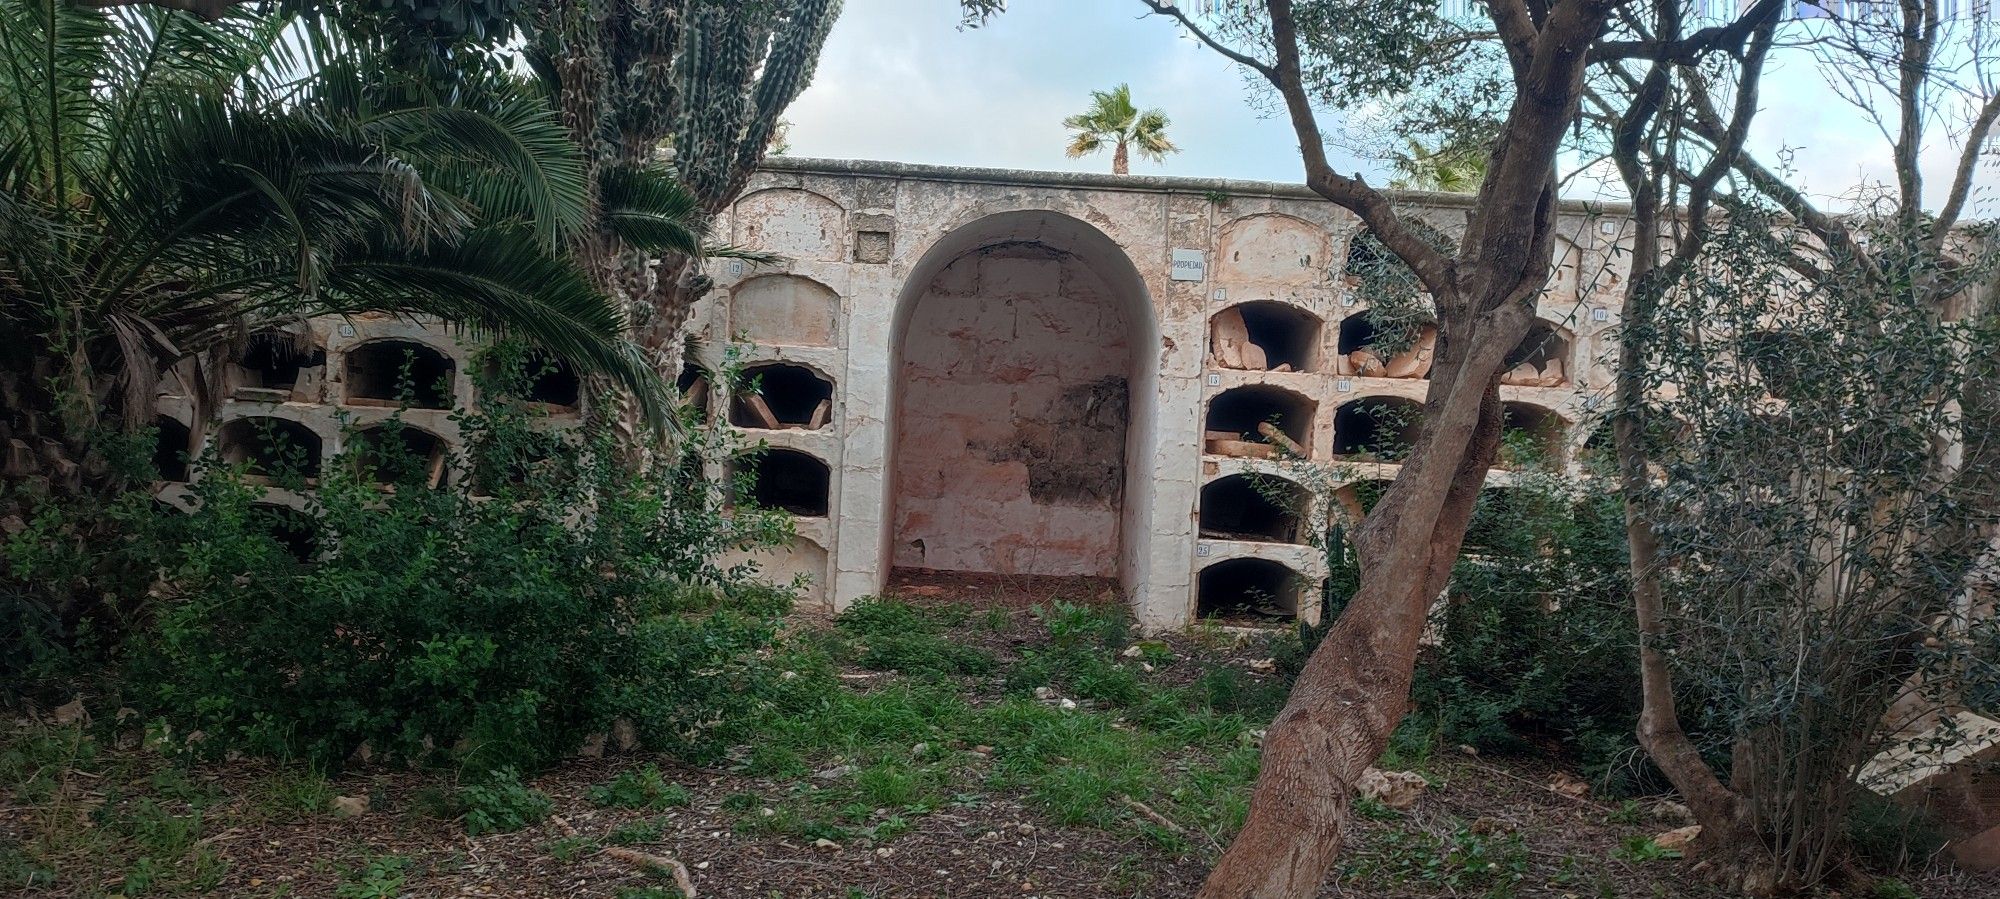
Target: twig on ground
648, 861
1151, 815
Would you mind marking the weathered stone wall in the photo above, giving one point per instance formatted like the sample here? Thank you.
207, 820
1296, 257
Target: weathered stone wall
1020, 380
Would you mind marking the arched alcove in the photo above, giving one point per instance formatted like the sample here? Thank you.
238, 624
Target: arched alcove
171, 449
694, 388
1254, 507
1377, 428
1247, 591
269, 447
1024, 358
794, 223
1365, 352
1530, 436
552, 383
784, 310
1541, 359
788, 479
782, 396
1264, 336
274, 362
293, 529
1258, 421
1356, 499
400, 453
395, 372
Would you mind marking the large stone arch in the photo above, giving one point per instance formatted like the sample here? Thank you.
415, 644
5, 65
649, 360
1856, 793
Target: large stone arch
1023, 375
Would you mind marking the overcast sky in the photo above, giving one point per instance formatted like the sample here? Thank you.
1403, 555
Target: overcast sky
899, 81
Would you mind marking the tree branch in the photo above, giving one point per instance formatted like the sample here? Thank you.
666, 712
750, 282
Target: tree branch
1166, 8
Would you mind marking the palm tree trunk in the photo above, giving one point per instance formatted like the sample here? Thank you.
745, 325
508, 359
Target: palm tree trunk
1120, 162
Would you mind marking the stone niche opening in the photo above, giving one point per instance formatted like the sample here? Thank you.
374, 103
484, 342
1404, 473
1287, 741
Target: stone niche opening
1264, 336
395, 372
1253, 507
269, 447
1540, 360
788, 479
1356, 499
1530, 436
1024, 393
553, 384
782, 396
400, 453
171, 449
693, 385
1259, 421
1248, 592
293, 529
276, 365
1362, 353
1377, 428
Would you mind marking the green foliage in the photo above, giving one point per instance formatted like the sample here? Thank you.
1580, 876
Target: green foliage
1463, 862
381, 878
1113, 120
500, 803
1639, 848
496, 627
1536, 634
644, 788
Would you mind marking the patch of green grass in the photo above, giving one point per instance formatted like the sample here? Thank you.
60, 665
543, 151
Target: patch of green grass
895, 636
569, 849
1462, 861
1643, 849
291, 793
643, 788
637, 832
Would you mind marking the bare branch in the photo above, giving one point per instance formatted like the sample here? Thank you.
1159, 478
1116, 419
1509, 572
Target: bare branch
1243, 59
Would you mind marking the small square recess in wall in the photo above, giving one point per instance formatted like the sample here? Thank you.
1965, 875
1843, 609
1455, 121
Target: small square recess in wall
872, 246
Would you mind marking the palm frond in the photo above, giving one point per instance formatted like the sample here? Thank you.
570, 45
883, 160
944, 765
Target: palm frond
495, 282
650, 209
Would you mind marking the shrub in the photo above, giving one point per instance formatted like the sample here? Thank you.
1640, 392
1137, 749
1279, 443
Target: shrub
547, 590
500, 803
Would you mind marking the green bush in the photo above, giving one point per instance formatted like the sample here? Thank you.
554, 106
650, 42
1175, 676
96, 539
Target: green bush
500, 803
547, 589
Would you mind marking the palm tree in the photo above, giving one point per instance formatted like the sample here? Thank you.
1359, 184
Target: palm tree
168, 185
1114, 120
1454, 167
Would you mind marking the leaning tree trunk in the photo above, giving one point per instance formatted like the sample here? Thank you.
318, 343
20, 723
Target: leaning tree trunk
1355, 688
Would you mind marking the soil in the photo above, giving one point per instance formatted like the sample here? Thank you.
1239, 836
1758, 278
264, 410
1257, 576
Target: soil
1551, 843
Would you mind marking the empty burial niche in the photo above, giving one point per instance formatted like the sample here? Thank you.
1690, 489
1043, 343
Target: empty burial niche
1263, 336
788, 479
269, 447
552, 383
394, 454
693, 386
1540, 360
1353, 501
273, 365
1376, 428
1258, 421
1247, 592
1252, 507
1370, 352
294, 530
398, 372
782, 397
1530, 436
170, 452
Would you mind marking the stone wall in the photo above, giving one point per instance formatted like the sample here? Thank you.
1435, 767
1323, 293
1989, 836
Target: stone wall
1027, 373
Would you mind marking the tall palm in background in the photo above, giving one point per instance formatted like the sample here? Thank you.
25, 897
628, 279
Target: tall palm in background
168, 186
1455, 166
1112, 119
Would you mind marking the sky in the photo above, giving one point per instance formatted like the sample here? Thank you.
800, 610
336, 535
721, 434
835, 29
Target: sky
900, 81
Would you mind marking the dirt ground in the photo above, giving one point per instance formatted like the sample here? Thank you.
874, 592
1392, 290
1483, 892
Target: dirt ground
129, 822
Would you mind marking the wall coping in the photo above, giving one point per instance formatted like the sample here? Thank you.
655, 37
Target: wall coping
914, 171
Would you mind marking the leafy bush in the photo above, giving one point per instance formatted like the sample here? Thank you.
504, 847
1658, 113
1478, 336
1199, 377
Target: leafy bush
547, 590
641, 789
500, 803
